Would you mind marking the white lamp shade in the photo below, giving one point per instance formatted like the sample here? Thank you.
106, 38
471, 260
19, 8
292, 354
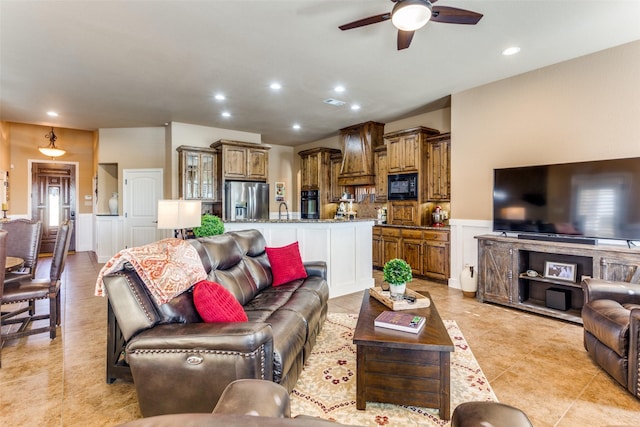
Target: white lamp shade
178, 214
409, 15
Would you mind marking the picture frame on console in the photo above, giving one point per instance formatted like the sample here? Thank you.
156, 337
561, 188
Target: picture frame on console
560, 271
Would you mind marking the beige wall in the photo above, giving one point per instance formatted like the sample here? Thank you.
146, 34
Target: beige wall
24, 140
130, 148
195, 136
584, 109
281, 169
5, 146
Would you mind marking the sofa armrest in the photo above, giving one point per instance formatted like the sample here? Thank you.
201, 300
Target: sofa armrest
185, 367
621, 292
316, 268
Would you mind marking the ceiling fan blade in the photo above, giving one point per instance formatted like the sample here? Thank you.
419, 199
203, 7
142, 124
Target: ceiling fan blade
404, 39
366, 21
453, 15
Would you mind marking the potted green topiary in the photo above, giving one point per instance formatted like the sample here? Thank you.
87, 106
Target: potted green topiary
211, 225
397, 272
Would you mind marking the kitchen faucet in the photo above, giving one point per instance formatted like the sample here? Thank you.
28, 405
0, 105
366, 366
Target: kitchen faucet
280, 210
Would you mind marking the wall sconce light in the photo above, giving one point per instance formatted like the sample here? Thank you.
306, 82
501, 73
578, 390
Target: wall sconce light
51, 150
178, 215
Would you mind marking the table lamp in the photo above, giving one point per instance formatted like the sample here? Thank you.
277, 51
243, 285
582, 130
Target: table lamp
179, 215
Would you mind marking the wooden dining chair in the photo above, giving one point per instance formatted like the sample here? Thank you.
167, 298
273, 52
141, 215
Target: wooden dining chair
28, 291
23, 241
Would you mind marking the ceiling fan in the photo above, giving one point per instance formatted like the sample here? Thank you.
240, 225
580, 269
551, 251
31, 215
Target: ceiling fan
410, 15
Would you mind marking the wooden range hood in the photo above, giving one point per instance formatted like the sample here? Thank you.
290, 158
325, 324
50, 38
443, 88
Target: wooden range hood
357, 143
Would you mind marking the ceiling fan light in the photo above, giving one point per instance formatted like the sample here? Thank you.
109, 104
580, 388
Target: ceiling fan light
410, 15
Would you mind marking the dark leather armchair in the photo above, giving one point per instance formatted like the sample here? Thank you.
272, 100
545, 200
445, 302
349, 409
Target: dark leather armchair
485, 414
245, 403
611, 317
23, 241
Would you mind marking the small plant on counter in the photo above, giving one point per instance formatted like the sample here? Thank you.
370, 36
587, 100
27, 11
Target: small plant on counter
211, 226
397, 271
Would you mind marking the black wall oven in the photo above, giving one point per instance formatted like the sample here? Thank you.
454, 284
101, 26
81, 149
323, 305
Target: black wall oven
403, 186
309, 206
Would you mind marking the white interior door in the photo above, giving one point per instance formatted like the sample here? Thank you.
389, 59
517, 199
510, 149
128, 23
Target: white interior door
142, 188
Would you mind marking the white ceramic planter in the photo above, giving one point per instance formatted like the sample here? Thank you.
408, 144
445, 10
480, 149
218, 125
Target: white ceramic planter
397, 291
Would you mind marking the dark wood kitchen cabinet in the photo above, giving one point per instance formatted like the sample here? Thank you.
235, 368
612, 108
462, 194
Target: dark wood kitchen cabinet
406, 149
403, 213
439, 167
382, 169
412, 249
390, 244
243, 160
336, 190
376, 247
427, 250
436, 254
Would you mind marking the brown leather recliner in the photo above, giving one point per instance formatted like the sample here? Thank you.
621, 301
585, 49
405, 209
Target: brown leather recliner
611, 317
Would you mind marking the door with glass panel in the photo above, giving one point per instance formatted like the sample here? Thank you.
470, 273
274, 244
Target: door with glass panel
53, 200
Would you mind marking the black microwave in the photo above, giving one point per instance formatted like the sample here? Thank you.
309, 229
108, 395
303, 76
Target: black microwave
403, 186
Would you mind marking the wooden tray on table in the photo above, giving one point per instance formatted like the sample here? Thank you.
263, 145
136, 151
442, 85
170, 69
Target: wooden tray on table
385, 298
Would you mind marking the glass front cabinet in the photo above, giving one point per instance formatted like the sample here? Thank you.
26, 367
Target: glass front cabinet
198, 180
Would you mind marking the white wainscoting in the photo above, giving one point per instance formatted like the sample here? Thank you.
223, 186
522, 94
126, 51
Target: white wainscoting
344, 246
84, 232
464, 247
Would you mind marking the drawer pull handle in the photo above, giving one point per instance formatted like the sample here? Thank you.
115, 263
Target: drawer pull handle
194, 360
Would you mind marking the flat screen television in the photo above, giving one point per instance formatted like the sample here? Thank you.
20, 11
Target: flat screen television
596, 199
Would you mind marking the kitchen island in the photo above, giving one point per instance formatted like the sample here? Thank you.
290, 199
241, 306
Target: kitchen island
344, 245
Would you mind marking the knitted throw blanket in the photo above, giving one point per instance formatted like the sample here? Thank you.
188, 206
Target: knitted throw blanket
168, 268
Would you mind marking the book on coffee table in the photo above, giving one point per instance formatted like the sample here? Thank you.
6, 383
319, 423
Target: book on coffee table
400, 321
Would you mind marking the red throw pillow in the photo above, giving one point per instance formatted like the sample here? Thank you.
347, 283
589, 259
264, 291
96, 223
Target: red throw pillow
216, 304
286, 264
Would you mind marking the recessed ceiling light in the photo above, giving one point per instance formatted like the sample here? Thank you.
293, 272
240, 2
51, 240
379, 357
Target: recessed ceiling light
275, 86
511, 51
355, 107
296, 126
339, 88
220, 97
226, 114
52, 114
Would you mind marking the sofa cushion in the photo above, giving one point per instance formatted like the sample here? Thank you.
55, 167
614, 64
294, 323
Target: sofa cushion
286, 264
216, 304
289, 335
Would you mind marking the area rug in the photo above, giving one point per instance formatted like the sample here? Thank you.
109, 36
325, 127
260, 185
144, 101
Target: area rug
327, 386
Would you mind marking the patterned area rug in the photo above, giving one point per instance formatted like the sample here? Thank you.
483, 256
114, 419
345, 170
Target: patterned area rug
327, 386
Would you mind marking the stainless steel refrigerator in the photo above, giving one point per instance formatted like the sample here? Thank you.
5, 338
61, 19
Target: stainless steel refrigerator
246, 201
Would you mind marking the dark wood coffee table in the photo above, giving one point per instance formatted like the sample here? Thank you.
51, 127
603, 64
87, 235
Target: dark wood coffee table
401, 367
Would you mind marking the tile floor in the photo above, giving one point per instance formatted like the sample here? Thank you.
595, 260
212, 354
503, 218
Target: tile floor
532, 362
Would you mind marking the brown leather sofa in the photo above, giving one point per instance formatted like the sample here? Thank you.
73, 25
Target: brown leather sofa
611, 318
180, 364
